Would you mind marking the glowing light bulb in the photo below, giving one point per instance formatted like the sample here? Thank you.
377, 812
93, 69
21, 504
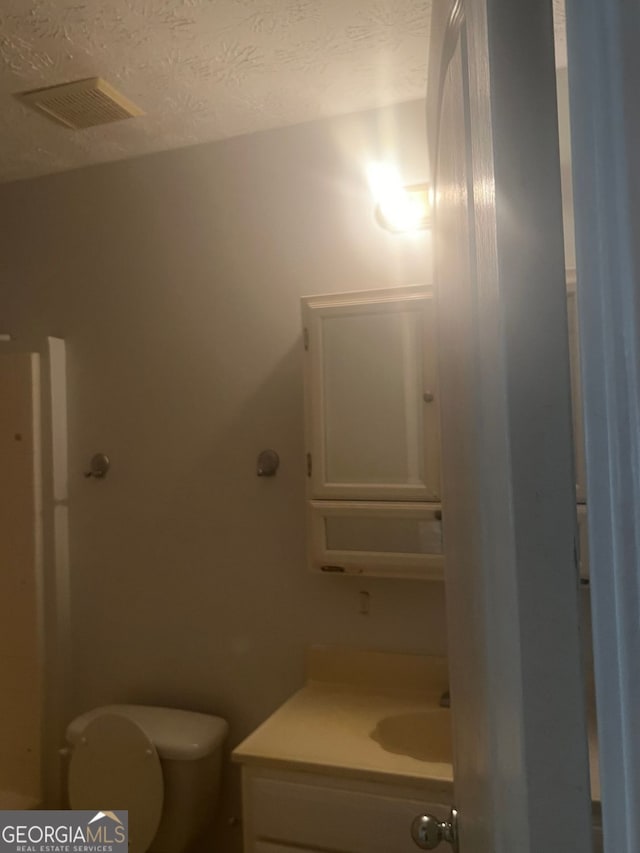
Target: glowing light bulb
399, 208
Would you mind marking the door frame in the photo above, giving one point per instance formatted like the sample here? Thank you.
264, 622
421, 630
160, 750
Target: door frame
604, 75
517, 683
54, 575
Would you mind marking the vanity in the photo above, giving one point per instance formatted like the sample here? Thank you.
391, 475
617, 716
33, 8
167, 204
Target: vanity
349, 761
352, 758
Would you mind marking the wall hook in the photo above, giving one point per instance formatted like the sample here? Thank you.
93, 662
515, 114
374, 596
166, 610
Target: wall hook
268, 463
98, 467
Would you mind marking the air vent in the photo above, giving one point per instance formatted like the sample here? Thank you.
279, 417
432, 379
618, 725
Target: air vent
83, 103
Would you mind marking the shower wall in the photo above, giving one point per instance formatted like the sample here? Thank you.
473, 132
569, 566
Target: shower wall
20, 574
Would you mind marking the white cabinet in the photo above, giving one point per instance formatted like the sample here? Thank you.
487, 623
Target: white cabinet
308, 812
372, 414
376, 538
372, 433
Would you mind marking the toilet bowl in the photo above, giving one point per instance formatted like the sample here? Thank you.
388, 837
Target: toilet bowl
160, 764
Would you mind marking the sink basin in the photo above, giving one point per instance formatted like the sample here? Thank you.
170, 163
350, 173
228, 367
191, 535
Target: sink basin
425, 735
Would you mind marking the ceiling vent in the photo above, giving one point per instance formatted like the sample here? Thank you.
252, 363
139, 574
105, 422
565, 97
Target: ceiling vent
83, 103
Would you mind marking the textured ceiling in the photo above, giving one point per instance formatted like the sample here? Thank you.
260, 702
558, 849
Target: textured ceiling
204, 69
200, 69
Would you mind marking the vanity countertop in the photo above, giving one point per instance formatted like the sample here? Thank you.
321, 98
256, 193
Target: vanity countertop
328, 726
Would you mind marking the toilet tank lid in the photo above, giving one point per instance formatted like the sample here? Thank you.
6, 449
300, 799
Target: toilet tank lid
176, 734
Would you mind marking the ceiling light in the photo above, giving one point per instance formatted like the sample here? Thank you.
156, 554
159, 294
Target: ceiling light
410, 210
399, 208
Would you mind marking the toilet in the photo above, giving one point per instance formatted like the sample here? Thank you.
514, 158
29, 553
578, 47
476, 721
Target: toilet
160, 764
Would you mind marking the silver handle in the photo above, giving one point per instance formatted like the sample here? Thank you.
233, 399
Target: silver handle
427, 831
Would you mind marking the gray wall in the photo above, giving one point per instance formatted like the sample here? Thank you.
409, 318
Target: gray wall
175, 280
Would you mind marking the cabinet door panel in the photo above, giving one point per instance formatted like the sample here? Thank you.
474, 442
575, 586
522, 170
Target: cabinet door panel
387, 539
372, 371
372, 409
311, 816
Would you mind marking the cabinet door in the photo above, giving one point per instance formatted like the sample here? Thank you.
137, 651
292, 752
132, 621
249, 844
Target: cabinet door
376, 538
371, 401
328, 817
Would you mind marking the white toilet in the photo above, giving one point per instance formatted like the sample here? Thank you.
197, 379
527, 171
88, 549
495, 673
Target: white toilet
160, 764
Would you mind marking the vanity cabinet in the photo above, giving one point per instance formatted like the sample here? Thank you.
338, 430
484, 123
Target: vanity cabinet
372, 433
307, 812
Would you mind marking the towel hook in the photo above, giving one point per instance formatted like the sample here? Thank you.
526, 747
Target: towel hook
99, 466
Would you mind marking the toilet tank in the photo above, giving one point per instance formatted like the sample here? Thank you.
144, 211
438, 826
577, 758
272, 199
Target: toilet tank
189, 746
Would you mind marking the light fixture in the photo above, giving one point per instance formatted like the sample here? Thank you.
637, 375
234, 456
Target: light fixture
399, 208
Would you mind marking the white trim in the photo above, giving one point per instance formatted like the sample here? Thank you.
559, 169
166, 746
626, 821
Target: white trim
364, 297
58, 579
517, 687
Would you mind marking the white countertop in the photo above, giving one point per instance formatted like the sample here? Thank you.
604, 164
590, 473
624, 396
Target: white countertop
327, 727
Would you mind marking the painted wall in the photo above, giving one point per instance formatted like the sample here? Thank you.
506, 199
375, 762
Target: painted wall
175, 280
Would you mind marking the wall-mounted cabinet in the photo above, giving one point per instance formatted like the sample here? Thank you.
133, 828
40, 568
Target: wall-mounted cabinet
372, 413
372, 432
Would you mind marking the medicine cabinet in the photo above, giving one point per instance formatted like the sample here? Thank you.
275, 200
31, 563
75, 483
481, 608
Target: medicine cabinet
372, 433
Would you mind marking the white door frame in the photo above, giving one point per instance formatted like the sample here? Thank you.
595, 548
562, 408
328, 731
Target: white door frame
54, 578
604, 78
517, 686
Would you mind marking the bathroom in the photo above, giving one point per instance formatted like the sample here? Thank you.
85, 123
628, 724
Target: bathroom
189, 584
175, 280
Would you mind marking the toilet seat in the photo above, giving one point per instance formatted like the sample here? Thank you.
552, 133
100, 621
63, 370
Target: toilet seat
115, 766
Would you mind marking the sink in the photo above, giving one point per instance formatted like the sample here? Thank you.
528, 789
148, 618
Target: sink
425, 735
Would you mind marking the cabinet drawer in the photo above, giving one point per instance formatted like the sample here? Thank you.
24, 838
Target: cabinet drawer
332, 818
